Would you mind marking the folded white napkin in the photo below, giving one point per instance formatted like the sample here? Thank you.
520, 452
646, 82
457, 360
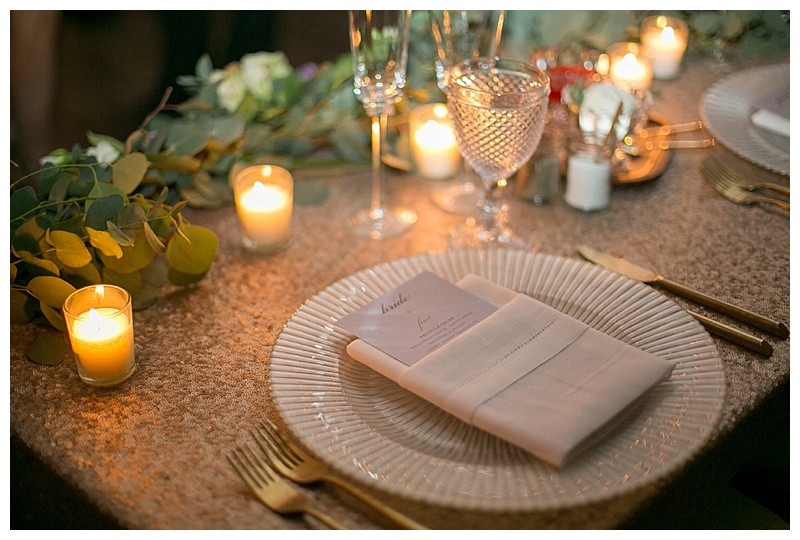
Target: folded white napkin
528, 374
772, 112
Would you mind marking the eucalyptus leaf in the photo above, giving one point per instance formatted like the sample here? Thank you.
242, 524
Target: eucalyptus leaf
196, 255
23, 201
153, 239
119, 235
102, 210
129, 171
30, 236
131, 282
44, 264
203, 67
83, 276
73, 225
53, 316
227, 129
183, 279
188, 138
70, 248
103, 189
23, 306
103, 241
50, 290
47, 350
131, 217
59, 190
134, 257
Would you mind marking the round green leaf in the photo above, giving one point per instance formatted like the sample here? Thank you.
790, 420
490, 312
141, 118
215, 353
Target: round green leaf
102, 210
50, 290
188, 138
131, 282
53, 317
23, 200
103, 241
83, 276
47, 350
195, 255
44, 264
133, 258
128, 171
183, 279
23, 306
70, 249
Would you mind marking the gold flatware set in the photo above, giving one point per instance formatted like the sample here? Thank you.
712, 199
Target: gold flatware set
737, 189
285, 461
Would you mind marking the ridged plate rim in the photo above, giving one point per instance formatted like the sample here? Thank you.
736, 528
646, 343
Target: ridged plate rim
373, 432
726, 107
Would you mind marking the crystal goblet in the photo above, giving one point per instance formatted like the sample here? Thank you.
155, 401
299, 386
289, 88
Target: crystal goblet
499, 108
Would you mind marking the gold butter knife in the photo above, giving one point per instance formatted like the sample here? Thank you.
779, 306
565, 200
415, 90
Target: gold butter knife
633, 271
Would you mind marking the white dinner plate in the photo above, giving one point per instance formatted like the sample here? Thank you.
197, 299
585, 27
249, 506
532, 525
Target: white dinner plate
726, 108
370, 430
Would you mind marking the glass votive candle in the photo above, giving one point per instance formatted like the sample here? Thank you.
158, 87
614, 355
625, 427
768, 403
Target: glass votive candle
629, 68
664, 41
99, 323
589, 175
263, 195
433, 142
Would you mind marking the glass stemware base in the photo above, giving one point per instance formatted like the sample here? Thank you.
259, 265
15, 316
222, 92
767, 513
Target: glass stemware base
382, 222
469, 235
460, 198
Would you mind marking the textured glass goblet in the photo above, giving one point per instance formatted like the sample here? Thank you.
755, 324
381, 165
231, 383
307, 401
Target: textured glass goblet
379, 46
460, 35
499, 108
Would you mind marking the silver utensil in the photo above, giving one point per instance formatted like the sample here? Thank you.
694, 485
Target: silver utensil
633, 271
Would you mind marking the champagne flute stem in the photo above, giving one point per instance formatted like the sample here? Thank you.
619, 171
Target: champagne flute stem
491, 206
378, 141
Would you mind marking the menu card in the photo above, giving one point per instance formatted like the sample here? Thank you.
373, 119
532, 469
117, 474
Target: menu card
416, 318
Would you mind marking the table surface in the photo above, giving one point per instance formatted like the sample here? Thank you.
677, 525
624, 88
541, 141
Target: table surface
151, 451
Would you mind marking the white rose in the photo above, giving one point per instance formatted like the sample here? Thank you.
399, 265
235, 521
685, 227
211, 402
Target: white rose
104, 152
260, 69
231, 91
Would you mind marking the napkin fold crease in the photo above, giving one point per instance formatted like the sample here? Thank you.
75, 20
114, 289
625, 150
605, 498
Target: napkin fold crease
528, 374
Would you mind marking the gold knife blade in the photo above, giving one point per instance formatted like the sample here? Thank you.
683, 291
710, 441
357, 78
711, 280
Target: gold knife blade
639, 273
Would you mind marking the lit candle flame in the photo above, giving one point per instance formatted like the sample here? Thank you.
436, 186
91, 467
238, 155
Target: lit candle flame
668, 36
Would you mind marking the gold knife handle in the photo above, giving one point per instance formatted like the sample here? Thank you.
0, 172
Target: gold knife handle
399, 518
777, 188
740, 314
761, 346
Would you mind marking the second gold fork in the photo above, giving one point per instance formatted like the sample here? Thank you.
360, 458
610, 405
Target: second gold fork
295, 464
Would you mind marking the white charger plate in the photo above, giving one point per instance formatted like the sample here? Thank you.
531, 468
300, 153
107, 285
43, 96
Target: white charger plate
372, 431
726, 108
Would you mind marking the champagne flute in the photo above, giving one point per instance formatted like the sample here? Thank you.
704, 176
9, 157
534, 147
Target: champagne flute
459, 36
499, 108
379, 46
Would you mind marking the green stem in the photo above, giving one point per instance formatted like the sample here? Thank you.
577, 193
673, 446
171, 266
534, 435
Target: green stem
43, 205
54, 167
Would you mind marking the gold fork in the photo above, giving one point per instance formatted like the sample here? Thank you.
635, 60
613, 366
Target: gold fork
716, 166
295, 464
734, 193
272, 490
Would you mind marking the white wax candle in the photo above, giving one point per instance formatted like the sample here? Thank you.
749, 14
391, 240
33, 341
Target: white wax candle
631, 72
102, 340
263, 196
588, 182
433, 142
664, 40
266, 213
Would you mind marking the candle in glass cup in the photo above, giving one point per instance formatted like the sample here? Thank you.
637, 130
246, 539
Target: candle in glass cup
629, 68
664, 41
433, 142
99, 323
263, 196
